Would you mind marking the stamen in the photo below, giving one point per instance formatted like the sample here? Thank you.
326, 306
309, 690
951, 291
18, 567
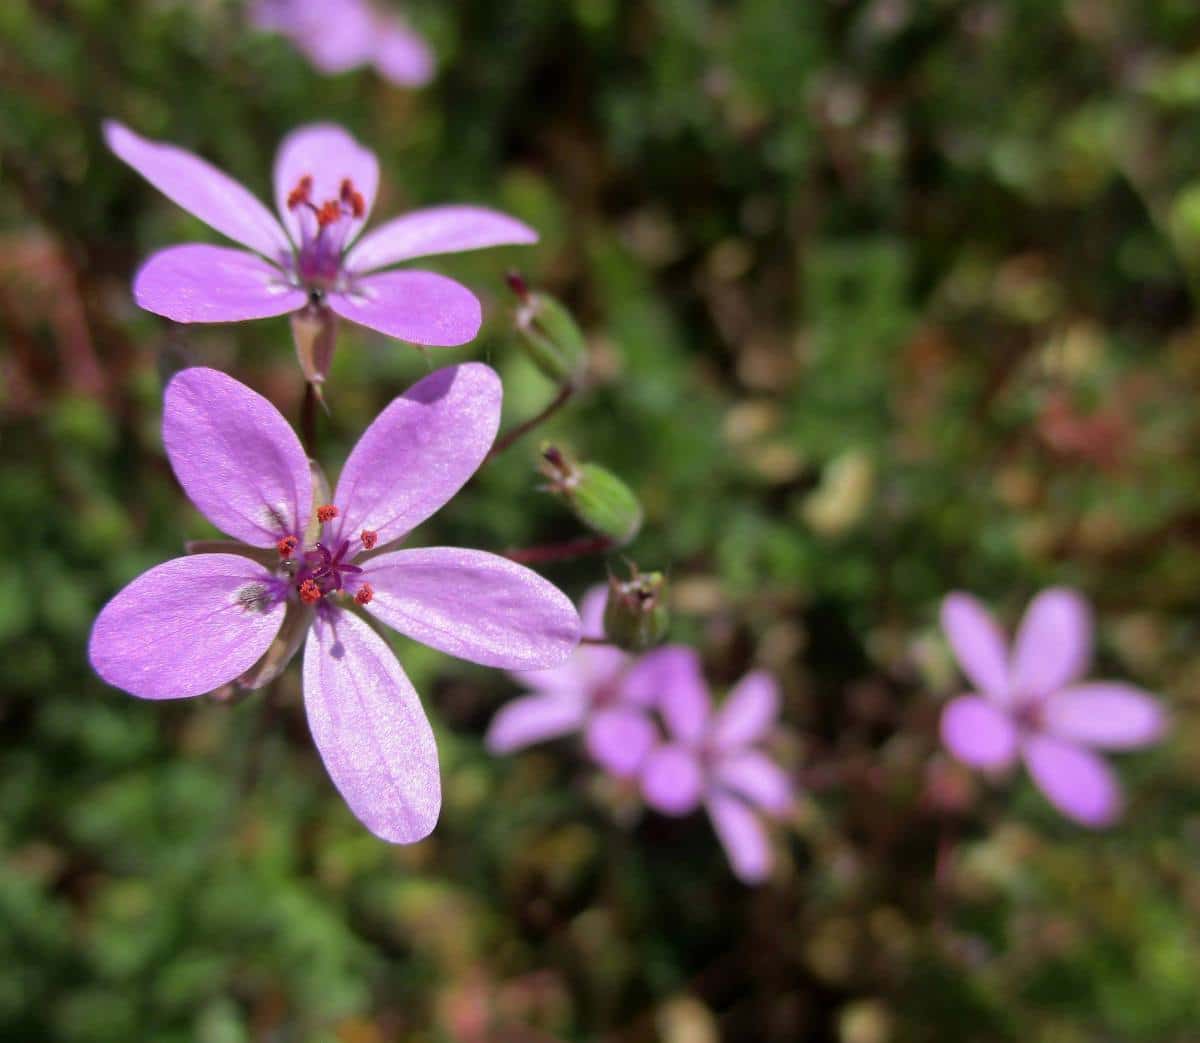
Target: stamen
287, 546
353, 198
326, 513
369, 538
310, 593
329, 212
300, 194
364, 594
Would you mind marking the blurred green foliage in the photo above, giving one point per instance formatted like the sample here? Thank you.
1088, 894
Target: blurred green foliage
884, 297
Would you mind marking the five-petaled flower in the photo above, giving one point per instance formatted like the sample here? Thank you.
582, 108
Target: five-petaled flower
325, 185
195, 623
599, 691
712, 758
1031, 704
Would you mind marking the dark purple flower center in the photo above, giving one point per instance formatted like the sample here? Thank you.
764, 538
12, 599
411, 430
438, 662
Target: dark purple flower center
323, 231
1029, 716
323, 569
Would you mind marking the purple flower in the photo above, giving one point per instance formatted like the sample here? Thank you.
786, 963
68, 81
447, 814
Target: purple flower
712, 759
325, 184
352, 33
599, 691
198, 622
1032, 704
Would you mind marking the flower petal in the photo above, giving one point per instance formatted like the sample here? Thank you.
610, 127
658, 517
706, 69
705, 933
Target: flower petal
329, 155
978, 733
419, 307
742, 836
1054, 643
748, 712
754, 776
978, 644
619, 740
473, 605
402, 57
186, 627
672, 781
437, 230
591, 611
370, 729
419, 452
236, 457
529, 719
670, 679
201, 189
1105, 714
1076, 781
332, 44
200, 283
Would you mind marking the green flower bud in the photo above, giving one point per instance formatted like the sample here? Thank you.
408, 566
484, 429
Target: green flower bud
596, 496
636, 616
549, 334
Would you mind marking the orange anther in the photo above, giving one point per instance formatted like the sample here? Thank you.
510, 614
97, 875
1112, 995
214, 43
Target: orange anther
300, 193
364, 594
287, 546
329, 212
369, 538
326, 513
310, 593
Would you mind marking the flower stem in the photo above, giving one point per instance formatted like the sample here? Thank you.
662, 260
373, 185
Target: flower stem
308, 419
509, 437
578, 548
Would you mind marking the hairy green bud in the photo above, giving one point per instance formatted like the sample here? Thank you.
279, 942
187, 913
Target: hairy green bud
596, 496
636, 615
549, 333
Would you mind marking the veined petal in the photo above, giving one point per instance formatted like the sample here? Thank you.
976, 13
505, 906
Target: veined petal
670, 679
370, 729
529, 719
201, 189
748, 713
473, 605
329, 155
419, 452
672, 780
619, 740
979, 733
186, 627
437, 230
200, 283
1054, 643
419, 307
742, 836
754, 776
402, 57
1076, 781
1108, 715
237, 459
978, 644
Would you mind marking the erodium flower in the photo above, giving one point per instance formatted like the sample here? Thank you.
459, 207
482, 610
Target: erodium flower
339, 37
1031, 704
241, 611
600, 691
325, 184
713, 759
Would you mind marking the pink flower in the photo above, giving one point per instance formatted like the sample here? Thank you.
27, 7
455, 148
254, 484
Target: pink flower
325, 184
340, 37
599, 691
195, 623
712, 759
1032, 703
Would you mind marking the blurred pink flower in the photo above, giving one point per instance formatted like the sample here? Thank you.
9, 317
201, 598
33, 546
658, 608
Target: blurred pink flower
712, 758
1031, 704
193, 624
340, 35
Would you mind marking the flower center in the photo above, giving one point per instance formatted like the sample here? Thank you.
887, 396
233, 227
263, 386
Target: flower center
323, 230
325, 569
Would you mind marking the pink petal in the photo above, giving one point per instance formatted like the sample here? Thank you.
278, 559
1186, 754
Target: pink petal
473, 605
534, 718
978, 733
1074, 780
201, 189
748, 713
419, 307
1054, 643
199, 283
333, 44
329, 155
370, 729
978, 644
619, 740
742, 836
591, 611
402, 57
437, 230
1105, 714
186, 627
419, 452
757, 778
670, 679
236, 457
672, 781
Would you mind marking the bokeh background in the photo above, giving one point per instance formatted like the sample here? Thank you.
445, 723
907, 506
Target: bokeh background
884, 298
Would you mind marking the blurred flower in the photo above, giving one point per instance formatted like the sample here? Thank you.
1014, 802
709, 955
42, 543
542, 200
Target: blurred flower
241, 611
338, 37
1032, 704
325, 184
712, 758
600, 691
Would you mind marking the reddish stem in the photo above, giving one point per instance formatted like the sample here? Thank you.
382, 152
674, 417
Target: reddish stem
578, 548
